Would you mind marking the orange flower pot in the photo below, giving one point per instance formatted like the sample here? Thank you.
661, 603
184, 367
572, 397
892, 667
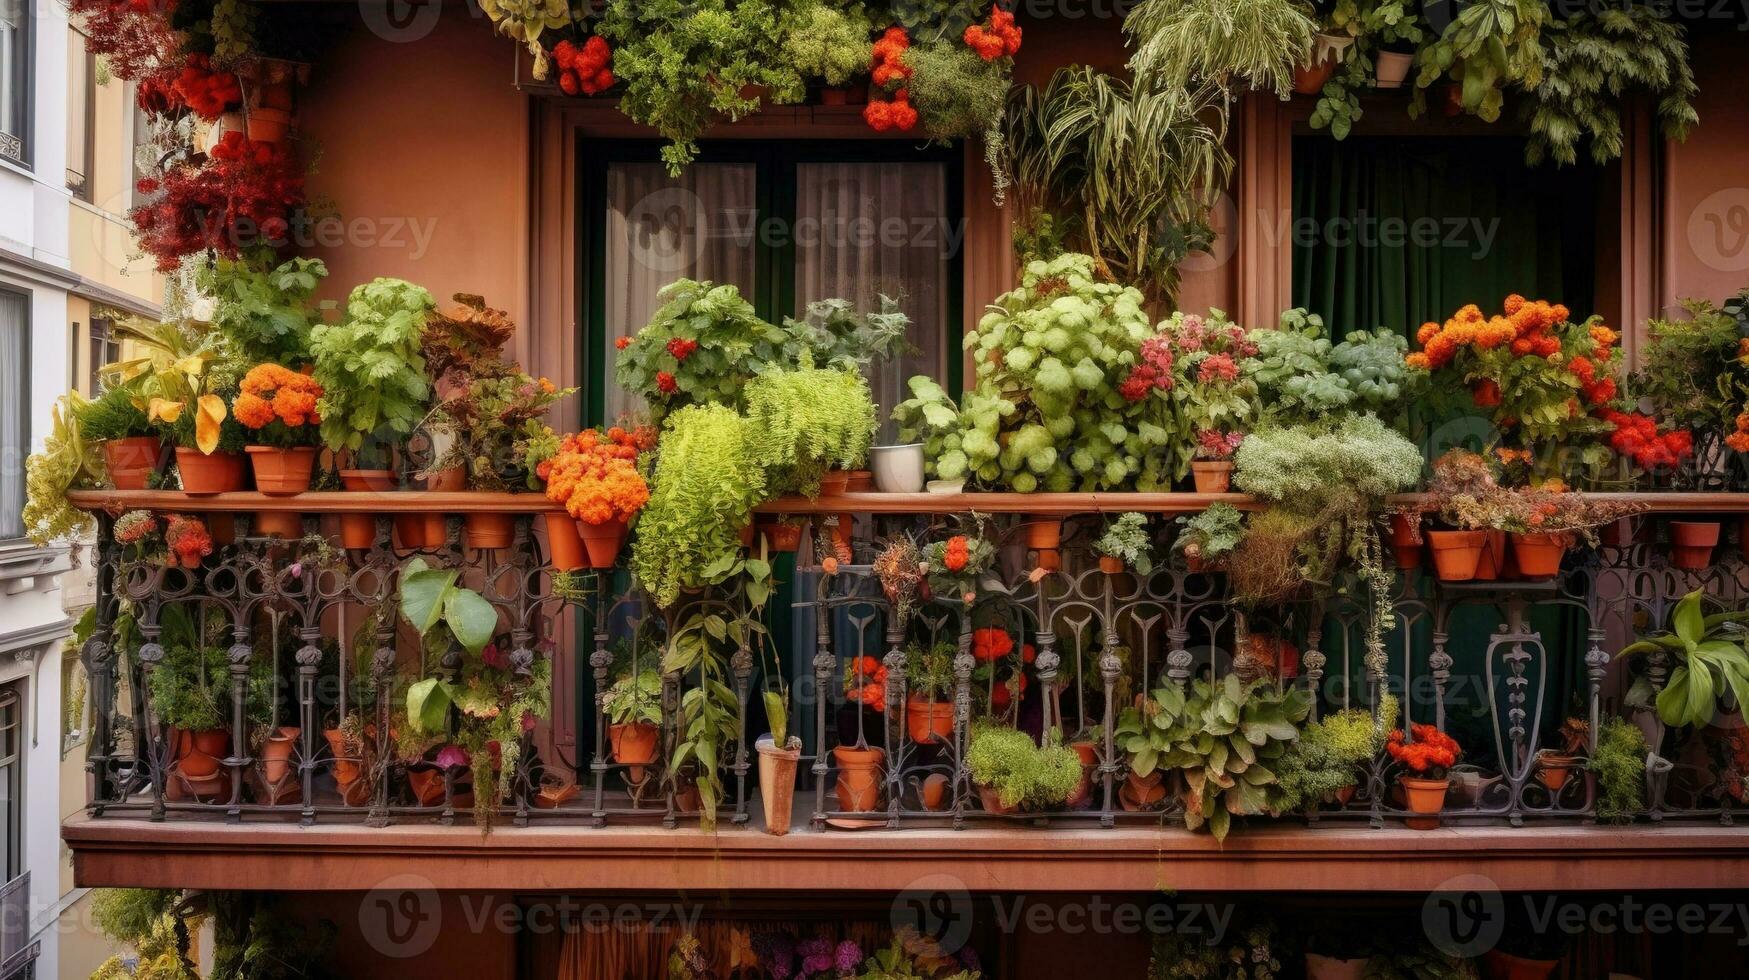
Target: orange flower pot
1212, 475
861, 481
933, 792
1310, 79
1553, 770
1455, 553
1044, 535
427, 785
202, 473
564, 544
359, 531
487, 532
1405, 548
278, 524
634, 746
276, 755
132, 461
346, 769
1692, 543
1539, 555
1141, 792
1110, 565
859, 777
602, 541
1425, 797
436, 534
282, 472
784, 537
1491, 565
929, 722
834, 483
991, 801
777, 784
1089, 754
198, 755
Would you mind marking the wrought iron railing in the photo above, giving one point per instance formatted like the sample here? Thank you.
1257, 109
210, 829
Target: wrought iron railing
326, 622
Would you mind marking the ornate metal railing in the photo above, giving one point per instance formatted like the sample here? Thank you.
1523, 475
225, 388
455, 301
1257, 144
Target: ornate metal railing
319, 627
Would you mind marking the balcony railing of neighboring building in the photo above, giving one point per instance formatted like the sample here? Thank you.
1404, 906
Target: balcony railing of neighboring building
333, 748
18, 952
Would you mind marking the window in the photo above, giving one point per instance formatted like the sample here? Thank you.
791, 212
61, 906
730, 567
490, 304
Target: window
787, 223
14, 411
143, 157
81, 114
11, 781
99, 348
14, 79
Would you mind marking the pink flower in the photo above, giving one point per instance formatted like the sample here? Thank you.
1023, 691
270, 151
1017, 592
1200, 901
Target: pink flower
1218, 367
451, 756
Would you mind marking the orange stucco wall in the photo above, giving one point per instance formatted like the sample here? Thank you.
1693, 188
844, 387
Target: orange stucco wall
1706, 181
423, 153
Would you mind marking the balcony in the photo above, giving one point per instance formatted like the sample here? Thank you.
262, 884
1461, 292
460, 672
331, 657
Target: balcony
586, 804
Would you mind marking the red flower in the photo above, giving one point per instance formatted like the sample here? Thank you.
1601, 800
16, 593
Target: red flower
680, 347
621, 343
1218, 367
956, 554
665, 383
1485, 393
991, 643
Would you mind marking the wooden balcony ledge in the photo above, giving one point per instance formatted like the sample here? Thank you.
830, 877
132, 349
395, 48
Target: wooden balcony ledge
123, 851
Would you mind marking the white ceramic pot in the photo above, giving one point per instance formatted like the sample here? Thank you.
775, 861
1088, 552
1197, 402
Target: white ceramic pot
1393, 67
897, 469
947, 486
1330, 47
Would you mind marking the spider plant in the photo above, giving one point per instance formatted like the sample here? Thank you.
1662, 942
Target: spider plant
1181, 42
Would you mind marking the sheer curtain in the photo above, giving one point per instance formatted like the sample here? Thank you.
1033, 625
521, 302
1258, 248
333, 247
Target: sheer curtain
868, 229
14, 414
699, 225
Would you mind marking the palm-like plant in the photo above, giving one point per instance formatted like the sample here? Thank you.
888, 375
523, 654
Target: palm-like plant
1182, 42
1710, 661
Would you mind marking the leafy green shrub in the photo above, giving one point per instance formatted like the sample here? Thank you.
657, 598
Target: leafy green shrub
958, 95
1318, 468
1022, 772
1212, 534
635, 698
1301, 375
67, 460
1684, 365
1329, 752
929, 670
701, 347
1179, 43
707, 481
828, 43
1127, 540
191, 688
266, 314
372, 373
839, 336
806, 421
1620, 765
113, 415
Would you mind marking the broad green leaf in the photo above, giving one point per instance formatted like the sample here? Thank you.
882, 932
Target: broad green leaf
422, 593
778, 714
471, 618
428, 703
1689, 622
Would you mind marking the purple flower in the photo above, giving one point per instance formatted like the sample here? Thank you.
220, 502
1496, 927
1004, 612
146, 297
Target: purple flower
775, 953
816, 956
846, 958
451, 756
297, 569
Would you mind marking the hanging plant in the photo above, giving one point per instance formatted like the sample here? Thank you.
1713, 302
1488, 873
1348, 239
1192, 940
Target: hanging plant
1180, 43
1490, 45
1589, 63
241, 196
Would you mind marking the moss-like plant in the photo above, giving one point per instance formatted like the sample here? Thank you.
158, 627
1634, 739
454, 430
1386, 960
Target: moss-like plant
929, 670
374, 389
706, 483
114, 414
1620, 765
807, 421
1127, 540
1022, 772
1327, 756
191, 688
828, 43
958, 95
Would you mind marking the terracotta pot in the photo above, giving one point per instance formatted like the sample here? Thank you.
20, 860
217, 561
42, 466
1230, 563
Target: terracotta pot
346, 769
276, 755
834, 483
929, 722
1310, 79
991, 800
834, 96
275, 95
199, 755
359, 531
634, 745
1320, 967
553, 795
1144, 791
1491, 565
282, 472
843, 535
1455, 553
1539, 555
859, 777
1553, 770
1405, 548
1424, 796
1499, 965
436, 533
933, 792
487, 531
1393, 67
777, 783
1212, 475
278, 524
132, 461
219, 472
1045, 534
861, 481
1083, 791
1110, 565
1617, 533
784, 537
268, 125
602, 541
427, 785
1345, 795
1692, 543
564, 544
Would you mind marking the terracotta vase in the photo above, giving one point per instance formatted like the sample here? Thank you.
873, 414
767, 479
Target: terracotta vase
276, 755
861, 481
359, 531
834, 483
602, 541
1553, 770
634, 746
1044, 534
933, 792
1391, 68
554, 794
427, 785
346, 769
1321, 967
784, 537
1425, 798
1492, 563
282, 472
488, 531
1310, 79
1692, 543
219, 472
1455, 553
991, 800
1499, 965
436, 530
777, 783
285, 524
132, 461
564, 544
1141, 792
859, 777
1083, 791
1405, 548
929, 722
1212, 475
199, 755
1538, 556
222, 525
1345, 795
1110, 564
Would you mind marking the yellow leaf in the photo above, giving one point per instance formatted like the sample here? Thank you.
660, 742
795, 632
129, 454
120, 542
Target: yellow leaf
210, 413
163, 410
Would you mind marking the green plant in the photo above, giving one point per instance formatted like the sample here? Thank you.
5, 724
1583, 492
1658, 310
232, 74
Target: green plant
374, 388
1684, 369
958, 95
1224, 737
496, 418
68, 460
701, 347
186, 375
1023, 773
191, 688
154, 923
635, 698
1257, 43
1489, 45
1710, 662
1593, 59
1250, 955
1620, 764
527, 20
1207, 394
839, 336
1329, 752
265, 314
1211, 534
808, 420
1137, 165
1127, 539
114, 414
1338, 107
828, 43
685, 64
929, 670
441, 610
706, 483
1302, 375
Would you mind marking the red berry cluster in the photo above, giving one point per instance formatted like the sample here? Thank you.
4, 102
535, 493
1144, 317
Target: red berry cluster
1637, 437
587, 69
209, 93
1000, 38
665, 383
242, 195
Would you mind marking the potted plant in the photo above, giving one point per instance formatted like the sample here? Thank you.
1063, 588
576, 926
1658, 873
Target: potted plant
1011, 772
633, 706
779, 751
188, 540
955, 566
929, 680
1126, 544
1619, 763
1211, 389
1710, 663
1212, 468
858, 764
187, 385
190, 691
596, 477
1555, 765
1427, 762
832, 45
1206, 538
495, 429
278, 407
1324, 763
67, 461
812, 425
132, 447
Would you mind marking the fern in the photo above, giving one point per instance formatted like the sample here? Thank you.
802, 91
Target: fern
706, 483
1589, 63
807, 421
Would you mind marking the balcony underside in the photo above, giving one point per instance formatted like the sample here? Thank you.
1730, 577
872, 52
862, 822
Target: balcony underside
116, 851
